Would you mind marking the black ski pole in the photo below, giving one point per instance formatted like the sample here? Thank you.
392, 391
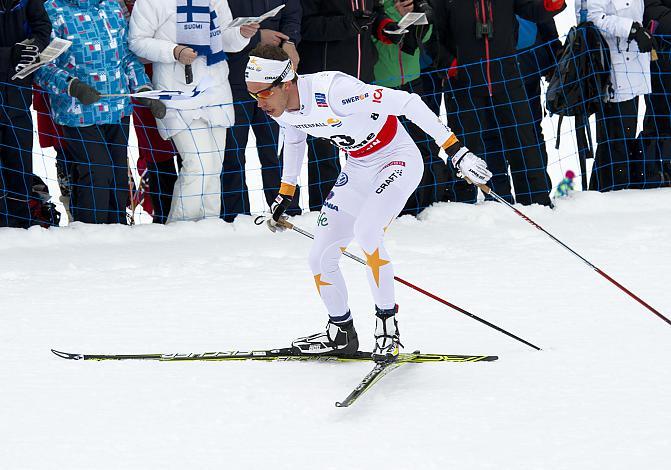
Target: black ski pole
290, 226
487, 190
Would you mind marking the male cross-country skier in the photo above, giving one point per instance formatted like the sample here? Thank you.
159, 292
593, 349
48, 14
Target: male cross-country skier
384, 166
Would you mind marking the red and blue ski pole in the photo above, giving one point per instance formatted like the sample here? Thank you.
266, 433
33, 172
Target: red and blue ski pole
487, 190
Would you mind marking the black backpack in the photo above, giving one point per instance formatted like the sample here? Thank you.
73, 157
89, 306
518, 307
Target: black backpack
582, 80
580, 85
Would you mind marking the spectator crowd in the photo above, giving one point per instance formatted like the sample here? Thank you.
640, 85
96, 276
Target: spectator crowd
482, 61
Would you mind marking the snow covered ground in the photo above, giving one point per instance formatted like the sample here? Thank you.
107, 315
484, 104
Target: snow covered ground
597, 397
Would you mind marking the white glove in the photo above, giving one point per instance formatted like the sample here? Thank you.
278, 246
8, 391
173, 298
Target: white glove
471, 167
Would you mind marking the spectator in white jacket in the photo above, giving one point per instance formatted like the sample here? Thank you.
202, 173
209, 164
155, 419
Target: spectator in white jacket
620, 23
191, 37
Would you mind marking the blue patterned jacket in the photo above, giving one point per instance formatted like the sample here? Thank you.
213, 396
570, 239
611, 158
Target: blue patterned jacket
99, 56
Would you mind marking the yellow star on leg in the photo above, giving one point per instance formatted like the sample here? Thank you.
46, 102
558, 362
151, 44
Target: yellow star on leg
373, 260
320, 283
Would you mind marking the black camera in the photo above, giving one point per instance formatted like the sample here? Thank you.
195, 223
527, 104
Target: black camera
363, 20
484, 30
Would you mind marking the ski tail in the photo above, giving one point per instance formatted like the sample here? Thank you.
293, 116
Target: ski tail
380, 370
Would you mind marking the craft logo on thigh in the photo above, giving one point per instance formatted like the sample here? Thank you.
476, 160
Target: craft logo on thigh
342, 179
395, 175
322, 220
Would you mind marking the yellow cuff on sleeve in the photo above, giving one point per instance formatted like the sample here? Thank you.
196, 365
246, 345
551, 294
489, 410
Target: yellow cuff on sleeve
287, 189
450, 142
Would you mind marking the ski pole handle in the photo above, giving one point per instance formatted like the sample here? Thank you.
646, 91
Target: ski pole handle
483, 187
286, 224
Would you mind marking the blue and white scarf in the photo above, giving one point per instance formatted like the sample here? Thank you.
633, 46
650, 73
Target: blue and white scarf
198, 27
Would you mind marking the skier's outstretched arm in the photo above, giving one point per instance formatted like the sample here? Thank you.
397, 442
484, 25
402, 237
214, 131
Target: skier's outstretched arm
349, 96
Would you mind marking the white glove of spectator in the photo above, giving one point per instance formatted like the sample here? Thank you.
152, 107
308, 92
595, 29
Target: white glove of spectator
471, 167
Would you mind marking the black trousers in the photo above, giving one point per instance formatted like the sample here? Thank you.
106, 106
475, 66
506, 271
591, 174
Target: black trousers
235, 195
615, 137
16, 167
657, 120
504, 130
432, 87
100, 183
434, 180
656, 135
162, 177
323, 170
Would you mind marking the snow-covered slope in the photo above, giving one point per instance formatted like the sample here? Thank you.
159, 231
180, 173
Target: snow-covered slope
597, 397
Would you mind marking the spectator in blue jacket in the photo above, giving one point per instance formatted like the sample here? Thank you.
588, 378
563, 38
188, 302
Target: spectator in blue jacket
284, 29
24, 33
95, 126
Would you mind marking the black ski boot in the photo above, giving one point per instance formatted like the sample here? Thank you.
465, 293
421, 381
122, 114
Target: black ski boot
339, 339
387, 337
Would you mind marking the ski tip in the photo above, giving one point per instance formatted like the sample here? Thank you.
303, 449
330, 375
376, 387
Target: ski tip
340, 405
65, 355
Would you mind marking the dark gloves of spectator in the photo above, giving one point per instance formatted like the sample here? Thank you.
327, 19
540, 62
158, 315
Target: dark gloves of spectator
408, 41
24, 55
279, 207
642, 37
392, 38
83, 92
157, 107
411, 40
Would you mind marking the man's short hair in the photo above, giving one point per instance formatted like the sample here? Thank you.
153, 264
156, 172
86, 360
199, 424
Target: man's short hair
266, 51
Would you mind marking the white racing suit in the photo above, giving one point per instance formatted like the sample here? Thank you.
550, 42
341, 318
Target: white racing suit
384, 167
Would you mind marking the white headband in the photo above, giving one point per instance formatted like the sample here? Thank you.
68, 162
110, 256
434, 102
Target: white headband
268, 70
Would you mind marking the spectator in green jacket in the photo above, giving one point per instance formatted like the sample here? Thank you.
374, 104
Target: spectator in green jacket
398, 66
